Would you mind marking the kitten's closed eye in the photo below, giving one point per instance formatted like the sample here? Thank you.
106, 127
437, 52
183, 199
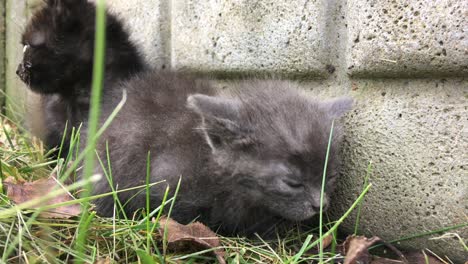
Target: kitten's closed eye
294, 184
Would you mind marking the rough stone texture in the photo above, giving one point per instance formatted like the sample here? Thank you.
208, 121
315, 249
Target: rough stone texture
20, 101
16, 15
2, 51
147, 21
415, 133
408, 38
249, 36
413, 130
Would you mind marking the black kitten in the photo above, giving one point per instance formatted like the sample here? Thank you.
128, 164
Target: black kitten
58, 61
247, 161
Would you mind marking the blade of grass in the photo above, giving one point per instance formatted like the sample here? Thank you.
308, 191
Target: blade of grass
169, 215
83, 228
333, 245
358, 214
342, 218
94, 112
273, 252
98, 78
103, 128
62, 142
160, 210
73, 147
1, 176
108, 173
144, 257
7, 135
302, 250
110, 179
452, 236
322, 191
93, 197
8, 241
148, 220
418, 235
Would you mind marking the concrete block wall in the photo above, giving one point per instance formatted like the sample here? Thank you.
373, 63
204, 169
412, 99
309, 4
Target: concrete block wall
18, 97
2, 50
407, 38
405, 63
249, 36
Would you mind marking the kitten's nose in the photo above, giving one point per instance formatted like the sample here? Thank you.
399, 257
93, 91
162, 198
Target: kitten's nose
19, 69
316, 204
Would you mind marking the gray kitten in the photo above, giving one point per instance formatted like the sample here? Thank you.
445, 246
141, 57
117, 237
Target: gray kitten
247, 161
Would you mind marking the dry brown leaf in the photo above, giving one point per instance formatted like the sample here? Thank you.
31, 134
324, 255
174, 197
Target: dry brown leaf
103, 261
193, 237
356, 250
26, 191
326, 242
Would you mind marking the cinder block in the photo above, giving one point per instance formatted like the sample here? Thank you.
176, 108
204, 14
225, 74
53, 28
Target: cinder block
19, 100
414, 132
249, 36
16, 92
2, 51
148, 23
407, 38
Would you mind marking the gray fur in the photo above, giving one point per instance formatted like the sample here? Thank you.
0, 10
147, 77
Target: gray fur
247, 160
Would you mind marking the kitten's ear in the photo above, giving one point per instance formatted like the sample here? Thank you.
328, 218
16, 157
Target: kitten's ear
66, 7
339, 106
220, 119
210, 106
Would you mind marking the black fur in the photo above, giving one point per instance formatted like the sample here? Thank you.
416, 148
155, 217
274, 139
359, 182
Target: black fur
58, 61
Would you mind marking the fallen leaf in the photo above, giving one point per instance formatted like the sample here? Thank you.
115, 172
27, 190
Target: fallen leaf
192, 237
103, 261
20, 192
356, 250
327, 241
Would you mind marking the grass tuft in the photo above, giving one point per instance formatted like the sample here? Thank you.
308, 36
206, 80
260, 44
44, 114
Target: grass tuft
26, 237
94, 112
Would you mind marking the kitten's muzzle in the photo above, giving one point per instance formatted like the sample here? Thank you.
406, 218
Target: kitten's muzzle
23, 71
316, 206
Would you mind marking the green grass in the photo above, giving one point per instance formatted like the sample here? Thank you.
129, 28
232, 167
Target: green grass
94, 112
358, 214
26, 237
128, 239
